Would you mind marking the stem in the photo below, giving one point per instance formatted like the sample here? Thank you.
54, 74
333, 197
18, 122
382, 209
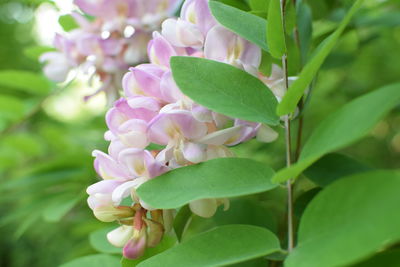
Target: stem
299, 130
288, 141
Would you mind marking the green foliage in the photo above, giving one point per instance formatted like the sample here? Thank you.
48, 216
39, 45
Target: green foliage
25, 81
352, 218
275, 32
249, 242
60, 206
250, 27
225, 89
217, 178
296, 90
338, 130
347, 213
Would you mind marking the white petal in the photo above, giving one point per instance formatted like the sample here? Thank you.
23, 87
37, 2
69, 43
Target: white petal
120, 236
266, 134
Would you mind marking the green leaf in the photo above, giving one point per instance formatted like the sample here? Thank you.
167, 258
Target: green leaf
275, 32
68, 23
332, 167
98, 240
343, 127
259, 5
304, 26
25, 81
181, 220
221, 246
11, 108
250, 27
34, 52
390, 258
59, 207
217, 178
296, 90
225, 89
95, 260
349, 220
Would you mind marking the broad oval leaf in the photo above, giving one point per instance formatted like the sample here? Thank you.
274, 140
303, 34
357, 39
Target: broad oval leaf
26, 81
221, 246
249, 26
296, 90
96, 260
217, 178
343, 127
225, 89
349, 220
275, 32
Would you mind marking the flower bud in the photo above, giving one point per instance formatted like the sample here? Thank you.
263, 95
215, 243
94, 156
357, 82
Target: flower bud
111, 213
137, 245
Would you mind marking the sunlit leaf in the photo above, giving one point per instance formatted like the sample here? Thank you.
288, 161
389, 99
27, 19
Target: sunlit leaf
349, 220
221, 246
225, 89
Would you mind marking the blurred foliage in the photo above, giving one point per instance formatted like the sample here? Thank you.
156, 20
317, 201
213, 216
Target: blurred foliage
46, 163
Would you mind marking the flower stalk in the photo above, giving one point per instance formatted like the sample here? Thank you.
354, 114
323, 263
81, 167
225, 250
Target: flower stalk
287, 139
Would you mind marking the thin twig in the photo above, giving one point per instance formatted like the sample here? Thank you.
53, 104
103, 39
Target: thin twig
288, 141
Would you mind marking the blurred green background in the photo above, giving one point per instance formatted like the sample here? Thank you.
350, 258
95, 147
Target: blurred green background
47, 132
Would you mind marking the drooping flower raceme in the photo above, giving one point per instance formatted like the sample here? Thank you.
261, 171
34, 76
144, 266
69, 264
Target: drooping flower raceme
154, 111
108, 44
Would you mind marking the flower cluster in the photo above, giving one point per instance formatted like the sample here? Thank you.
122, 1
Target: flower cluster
112, 35
154, 111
